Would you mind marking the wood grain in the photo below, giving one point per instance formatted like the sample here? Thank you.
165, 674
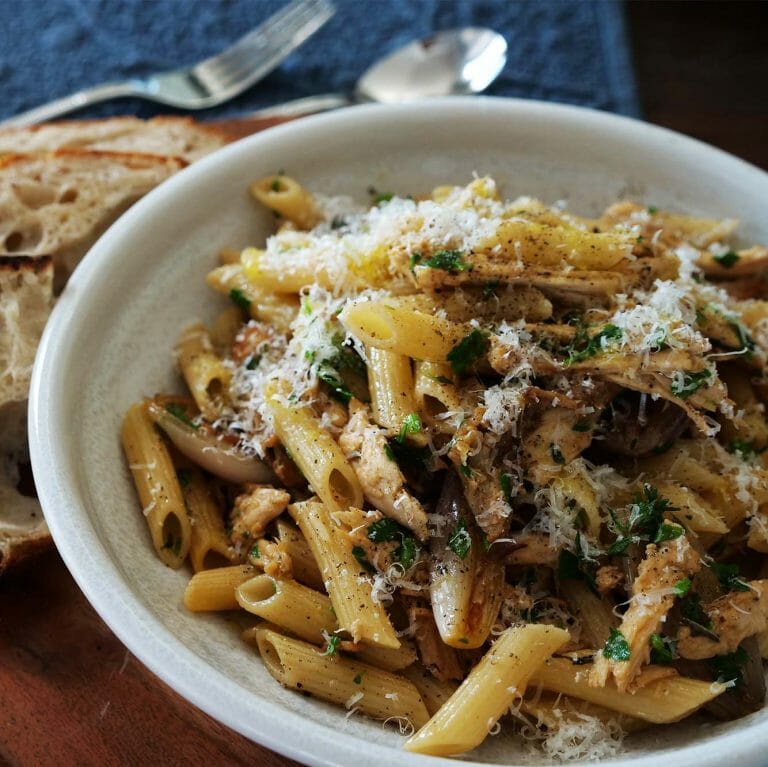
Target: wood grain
73, 695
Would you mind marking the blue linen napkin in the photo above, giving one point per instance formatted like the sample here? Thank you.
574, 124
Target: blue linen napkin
571, 51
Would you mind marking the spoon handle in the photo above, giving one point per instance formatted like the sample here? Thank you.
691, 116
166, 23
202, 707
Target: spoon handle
299, 107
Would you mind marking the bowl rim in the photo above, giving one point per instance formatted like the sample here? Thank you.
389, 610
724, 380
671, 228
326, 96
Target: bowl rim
61, 499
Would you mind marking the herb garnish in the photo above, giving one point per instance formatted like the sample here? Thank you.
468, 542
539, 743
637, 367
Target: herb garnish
591, 345
663, 649
358, 552
449, 261
240, 299
505, 480
577, 566
411, 425
690, 383
386, 530
333, 645
470, 349
460, 541
617, 647
728, 575
646, 522
695, 616
682, 587
180, 412
581, 426
745, 449
254, 552
728, 259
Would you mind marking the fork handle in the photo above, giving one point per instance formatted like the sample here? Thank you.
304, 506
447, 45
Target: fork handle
75, 101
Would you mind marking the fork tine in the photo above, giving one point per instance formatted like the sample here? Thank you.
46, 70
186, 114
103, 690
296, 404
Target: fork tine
276, 32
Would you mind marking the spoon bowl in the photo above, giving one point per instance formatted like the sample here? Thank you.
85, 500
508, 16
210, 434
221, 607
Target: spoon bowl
454, 62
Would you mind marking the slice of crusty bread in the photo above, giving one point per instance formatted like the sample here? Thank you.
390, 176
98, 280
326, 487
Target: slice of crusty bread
59, 203
165, 136
23, 532
26, 296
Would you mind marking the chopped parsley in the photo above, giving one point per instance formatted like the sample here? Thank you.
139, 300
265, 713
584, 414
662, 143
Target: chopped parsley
180, 412
253, 362
470, 349
729, 578
344, 359
387, 530
581, 426
690, 383
358, 552
728, 259
682, 587
414, 260
506, 486
275, 186
695, 616
382, 197
617, 647
663, 649
407, 455
730, 667
254, 552
450, 261
465, 470
584, 346
240, 299
745, 449
577, 566
645, 523
358, 679
460, 541
411, 425
339, 389
333, 645
652, 209
338, 222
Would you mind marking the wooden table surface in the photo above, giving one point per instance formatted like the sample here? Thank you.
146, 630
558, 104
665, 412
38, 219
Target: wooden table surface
71, 694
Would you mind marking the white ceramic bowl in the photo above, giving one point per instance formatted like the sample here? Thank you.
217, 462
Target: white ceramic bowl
109, 342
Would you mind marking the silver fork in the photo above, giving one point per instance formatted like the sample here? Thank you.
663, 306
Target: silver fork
209, 82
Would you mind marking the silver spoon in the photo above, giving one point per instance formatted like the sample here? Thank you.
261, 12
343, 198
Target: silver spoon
454, 62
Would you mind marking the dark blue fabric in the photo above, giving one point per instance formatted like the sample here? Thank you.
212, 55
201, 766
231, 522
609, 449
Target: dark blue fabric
569, 51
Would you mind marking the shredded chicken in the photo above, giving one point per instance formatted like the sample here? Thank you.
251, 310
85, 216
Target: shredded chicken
534, 549
608, 577
275, 560
365, 446
254, 510
735, 616
441, 660
652, 597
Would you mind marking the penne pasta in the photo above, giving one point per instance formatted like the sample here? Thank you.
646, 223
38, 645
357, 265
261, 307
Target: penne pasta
464, 721
374, 692
215, 589
157, 486
316, 453
209, 544
204, 372
345, 579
